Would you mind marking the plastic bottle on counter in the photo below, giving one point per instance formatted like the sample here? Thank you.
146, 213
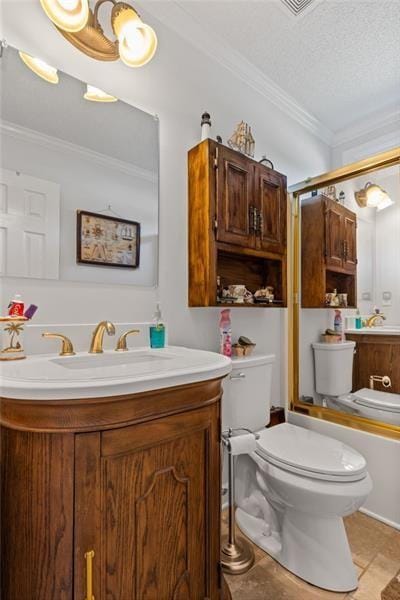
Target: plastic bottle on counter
225, 331
16, 306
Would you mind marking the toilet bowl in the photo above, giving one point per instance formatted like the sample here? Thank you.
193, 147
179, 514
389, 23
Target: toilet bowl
371, 404
295, 489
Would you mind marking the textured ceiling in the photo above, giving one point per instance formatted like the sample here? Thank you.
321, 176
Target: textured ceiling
340, 59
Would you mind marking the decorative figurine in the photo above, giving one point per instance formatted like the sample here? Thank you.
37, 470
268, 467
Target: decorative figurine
13, 329
330, 192
265, 295
242, 140
205, 126
342, 197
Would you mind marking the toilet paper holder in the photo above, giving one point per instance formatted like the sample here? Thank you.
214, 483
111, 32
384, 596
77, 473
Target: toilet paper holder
237, 554
228, 434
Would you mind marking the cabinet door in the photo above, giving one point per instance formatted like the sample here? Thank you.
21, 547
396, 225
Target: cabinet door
350, 243
334, 242
270, 197
235, 199
147, 504
376, 357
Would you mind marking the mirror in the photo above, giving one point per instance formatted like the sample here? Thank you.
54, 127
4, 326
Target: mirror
346, 347
79, 183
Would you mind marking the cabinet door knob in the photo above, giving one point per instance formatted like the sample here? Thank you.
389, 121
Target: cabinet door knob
89, 575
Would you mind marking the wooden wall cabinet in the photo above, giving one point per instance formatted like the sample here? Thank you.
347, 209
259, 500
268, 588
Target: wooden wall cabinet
376, 355
328, 251
237, 224
133, 480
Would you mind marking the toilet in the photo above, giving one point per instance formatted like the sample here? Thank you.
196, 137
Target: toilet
333, 381
293, 491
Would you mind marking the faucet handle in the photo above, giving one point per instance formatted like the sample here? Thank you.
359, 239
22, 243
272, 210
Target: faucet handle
67, 348
121, 344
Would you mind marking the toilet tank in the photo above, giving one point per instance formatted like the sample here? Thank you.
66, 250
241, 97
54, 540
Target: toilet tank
333, 368
246, 400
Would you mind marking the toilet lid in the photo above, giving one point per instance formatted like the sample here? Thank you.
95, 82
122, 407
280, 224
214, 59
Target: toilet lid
377, 399
314, 455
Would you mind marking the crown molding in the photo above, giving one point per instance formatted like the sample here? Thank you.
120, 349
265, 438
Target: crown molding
175, 17
372, 124
54, 143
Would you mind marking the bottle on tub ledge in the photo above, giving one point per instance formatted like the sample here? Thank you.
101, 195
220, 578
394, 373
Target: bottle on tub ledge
225, 332
157, 330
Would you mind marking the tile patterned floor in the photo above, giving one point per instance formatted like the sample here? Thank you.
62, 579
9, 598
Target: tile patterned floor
376, 554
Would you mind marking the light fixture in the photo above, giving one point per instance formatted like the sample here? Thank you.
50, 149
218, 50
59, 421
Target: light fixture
40, 68
136, 41
373, 196
94, 94
69, 15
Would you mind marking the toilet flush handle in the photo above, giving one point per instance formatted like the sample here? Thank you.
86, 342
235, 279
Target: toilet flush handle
238, 376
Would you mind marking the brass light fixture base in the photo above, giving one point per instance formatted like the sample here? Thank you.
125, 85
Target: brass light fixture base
91, 41
236, 558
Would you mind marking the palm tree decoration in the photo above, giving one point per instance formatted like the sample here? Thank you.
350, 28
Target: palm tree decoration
13, 329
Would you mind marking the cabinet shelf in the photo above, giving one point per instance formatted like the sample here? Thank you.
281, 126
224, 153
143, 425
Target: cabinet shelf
237, 225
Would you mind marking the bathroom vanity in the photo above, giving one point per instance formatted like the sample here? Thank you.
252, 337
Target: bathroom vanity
377, 353
111, 476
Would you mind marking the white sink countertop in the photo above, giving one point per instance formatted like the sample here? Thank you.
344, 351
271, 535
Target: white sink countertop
382, 330
53, 377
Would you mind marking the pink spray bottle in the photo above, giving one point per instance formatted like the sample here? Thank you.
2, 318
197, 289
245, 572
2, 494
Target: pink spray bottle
225, 331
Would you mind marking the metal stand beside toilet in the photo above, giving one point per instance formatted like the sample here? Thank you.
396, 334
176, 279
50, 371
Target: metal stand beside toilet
237, 554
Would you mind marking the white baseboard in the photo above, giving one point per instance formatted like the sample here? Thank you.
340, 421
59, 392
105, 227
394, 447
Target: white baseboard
379, 518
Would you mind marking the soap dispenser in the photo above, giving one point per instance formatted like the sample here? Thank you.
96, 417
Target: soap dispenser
157, 330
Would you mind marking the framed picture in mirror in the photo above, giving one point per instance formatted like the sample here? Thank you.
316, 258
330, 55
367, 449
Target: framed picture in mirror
108, 241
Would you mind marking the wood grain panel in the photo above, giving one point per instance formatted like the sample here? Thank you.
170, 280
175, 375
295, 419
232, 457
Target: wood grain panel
87, 506
236, 206
154, 500
334, 235
270, 192
328, 251
36, 516
94, 414
202, 216
376, 355
235, 196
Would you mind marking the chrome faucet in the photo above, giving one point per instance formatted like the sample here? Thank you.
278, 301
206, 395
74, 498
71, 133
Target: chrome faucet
96, 346
372, 320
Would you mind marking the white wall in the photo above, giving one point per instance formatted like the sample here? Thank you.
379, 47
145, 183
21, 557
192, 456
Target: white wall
178, 85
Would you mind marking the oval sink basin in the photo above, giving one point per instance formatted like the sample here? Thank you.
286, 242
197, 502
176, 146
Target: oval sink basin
380, 330
45, 377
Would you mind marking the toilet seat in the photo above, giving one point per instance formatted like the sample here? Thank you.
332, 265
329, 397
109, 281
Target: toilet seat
310, 454
376, 399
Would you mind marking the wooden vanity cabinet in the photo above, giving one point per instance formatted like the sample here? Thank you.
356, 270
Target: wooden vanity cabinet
237, 224
138, 488
328, 251
376, 355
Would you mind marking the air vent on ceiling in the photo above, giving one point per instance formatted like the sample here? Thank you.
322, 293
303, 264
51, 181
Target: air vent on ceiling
297, 6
